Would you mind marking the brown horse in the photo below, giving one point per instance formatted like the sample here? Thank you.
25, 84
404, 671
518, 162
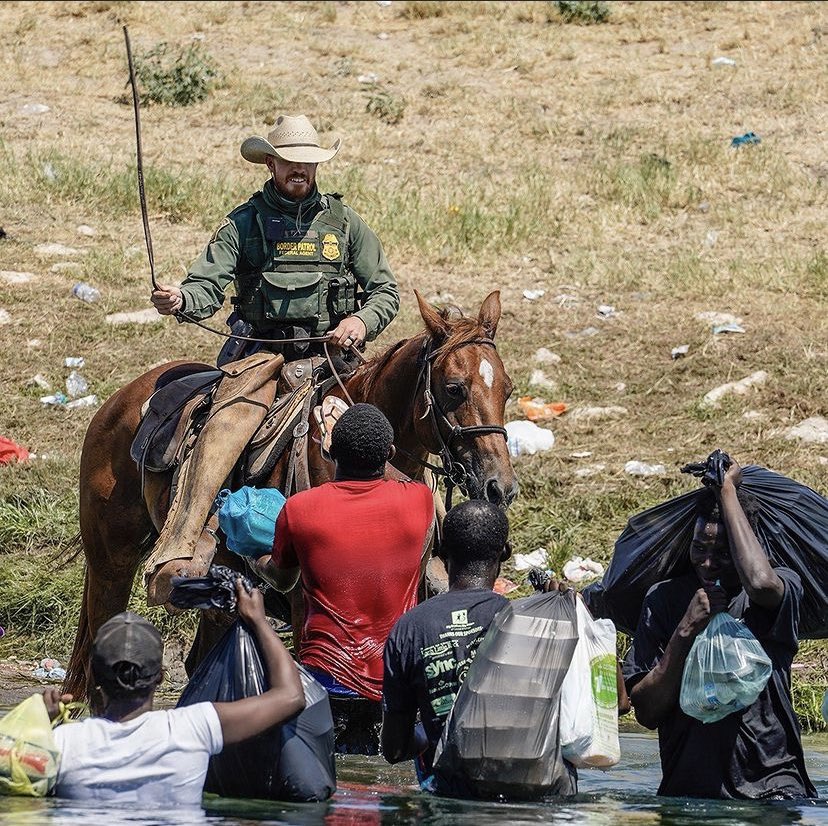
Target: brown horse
444, 391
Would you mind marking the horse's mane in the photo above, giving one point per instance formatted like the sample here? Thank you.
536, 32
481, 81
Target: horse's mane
461, 329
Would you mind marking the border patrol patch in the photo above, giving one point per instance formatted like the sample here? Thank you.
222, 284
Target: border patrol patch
330, 247
225, 222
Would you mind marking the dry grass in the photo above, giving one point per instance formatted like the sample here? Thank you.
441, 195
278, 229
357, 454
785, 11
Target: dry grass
589, 161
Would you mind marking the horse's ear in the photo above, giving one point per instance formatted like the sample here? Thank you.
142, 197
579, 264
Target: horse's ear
489, 314
434, 322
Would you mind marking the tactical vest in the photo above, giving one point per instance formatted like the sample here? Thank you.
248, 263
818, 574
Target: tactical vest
290, 277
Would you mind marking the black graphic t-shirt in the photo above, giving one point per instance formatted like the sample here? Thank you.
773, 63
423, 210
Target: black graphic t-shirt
429, 651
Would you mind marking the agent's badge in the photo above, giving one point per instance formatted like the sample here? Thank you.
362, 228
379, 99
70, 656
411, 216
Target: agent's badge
330, 247
220, 227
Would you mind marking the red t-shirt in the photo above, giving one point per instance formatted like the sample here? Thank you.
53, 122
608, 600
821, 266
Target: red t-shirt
359, 545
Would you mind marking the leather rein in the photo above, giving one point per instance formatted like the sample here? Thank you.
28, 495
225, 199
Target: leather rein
454, 472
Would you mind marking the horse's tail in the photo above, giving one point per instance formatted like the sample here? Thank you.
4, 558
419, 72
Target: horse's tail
77, 678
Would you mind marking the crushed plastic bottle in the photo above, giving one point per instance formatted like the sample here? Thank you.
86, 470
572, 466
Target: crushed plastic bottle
55, 400
73, 361
76, 385
84, 401
86, 292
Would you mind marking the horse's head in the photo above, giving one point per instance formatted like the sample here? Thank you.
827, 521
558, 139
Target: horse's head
459, 414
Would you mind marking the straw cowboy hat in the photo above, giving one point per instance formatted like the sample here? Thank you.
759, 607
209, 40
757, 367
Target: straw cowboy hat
292, 139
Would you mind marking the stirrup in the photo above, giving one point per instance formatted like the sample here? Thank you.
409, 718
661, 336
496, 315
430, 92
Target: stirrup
327, 415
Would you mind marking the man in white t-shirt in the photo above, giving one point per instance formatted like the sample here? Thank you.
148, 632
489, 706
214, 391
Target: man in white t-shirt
132, 754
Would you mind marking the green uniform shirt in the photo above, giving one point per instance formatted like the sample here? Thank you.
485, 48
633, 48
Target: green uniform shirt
223, 261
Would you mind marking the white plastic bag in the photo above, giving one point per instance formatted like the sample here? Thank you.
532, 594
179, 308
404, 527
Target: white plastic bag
589, 697
726, 670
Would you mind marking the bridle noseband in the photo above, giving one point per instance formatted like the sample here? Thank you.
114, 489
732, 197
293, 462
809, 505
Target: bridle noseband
453, 470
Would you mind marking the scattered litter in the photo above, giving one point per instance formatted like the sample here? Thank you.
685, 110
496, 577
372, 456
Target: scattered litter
148, 316
727, 328
704, 206
86, 292
589, 470
813, 430
39, 381
385, 36
711, 238
63, 266
537, 410
527, 439
535, 559
73, 361
753, 415
596, 413
580, 570
2, 631
57, 249
5, 318
33, 343
723, 61
636, 468
85, 229
545, 356
12, 452
33, 109
606, 311
84, 401
735, 388
49, 172
619, 387
49, 669
540, 379
712, 317
533, 295
580, 454
55, 400
747, 139
384, 3
566, 301
504, 586
76, 385
371, 77
678, 352
11, 277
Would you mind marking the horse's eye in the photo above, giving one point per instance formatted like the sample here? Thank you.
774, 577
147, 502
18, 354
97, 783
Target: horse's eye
456, 391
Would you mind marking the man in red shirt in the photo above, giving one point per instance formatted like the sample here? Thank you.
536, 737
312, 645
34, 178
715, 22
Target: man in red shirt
359, 544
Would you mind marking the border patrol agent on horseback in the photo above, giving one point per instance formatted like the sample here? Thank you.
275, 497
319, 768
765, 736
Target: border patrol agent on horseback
299, 259
304, 265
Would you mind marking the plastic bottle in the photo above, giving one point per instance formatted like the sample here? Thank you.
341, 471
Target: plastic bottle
73, 361
76, 385
86, 292
56, 400
85, 401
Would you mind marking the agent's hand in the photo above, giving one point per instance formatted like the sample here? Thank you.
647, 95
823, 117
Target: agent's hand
733, 475
167, 300
553, 584
351, 331
705, 604
52, 698
250, 605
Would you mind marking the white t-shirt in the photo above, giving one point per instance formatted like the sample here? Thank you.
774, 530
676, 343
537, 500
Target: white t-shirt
160, 757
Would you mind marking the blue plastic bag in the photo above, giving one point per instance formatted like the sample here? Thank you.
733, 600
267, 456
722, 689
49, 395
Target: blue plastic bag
725, 671
248, 518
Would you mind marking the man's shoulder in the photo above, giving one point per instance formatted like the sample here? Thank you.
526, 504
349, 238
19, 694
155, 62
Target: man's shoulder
440, 604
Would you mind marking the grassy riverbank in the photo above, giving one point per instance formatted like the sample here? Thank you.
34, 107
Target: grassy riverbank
499, 147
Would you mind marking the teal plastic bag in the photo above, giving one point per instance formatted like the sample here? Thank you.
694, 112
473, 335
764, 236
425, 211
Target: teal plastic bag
726, 670
248, 518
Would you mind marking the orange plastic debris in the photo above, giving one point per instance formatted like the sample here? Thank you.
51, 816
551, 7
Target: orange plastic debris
504, 586
539, 411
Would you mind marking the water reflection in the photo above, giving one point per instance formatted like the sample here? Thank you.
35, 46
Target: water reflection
371, 793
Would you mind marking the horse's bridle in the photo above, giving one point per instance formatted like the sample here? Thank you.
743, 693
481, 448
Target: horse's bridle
453, 470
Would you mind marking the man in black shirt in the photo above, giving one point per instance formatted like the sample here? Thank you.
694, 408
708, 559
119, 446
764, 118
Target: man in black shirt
431, 647
754, 753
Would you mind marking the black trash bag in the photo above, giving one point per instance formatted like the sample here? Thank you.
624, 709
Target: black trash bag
293, 761
216, 590
792, 526
501, 738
